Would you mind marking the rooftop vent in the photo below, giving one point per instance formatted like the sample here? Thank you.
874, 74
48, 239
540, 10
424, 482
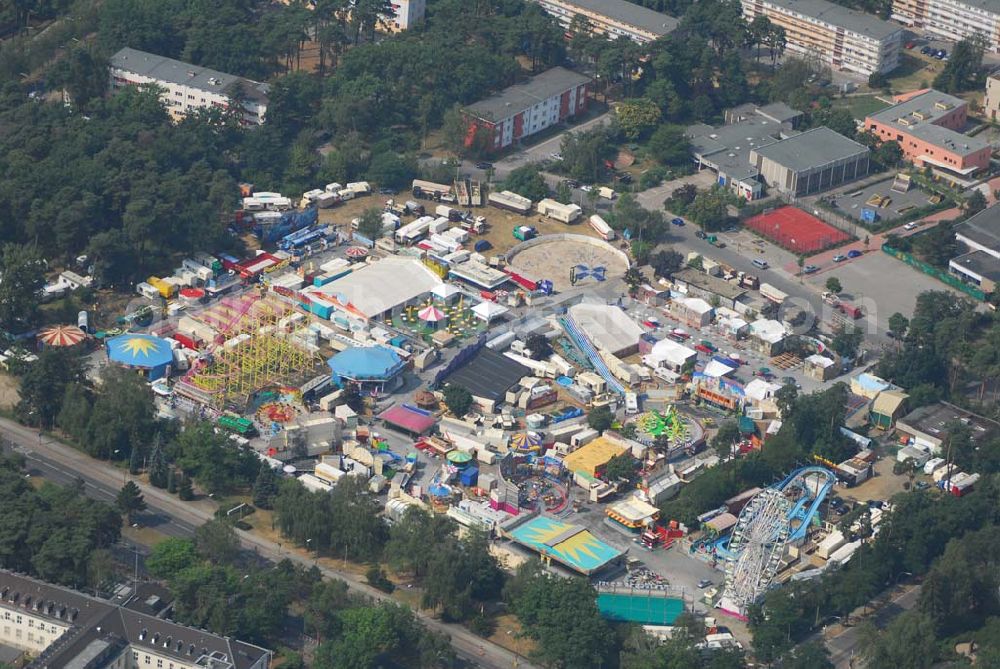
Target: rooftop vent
168, 641
156, 638
191, 649
143, 633
73, 614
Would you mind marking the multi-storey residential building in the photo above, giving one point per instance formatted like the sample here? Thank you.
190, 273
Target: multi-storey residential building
952, 19
991, 103
59, 628
927, 125
845, 39
613, 18
526, 108
186, 87
407, 13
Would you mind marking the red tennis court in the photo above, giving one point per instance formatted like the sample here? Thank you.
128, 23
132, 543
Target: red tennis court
795, 230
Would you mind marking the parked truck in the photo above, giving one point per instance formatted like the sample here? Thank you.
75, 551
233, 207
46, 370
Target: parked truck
511, 202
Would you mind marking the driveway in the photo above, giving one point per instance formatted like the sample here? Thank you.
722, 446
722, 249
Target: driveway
653, 198
538, 152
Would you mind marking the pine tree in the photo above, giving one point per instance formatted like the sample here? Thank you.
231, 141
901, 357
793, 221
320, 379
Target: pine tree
265, 488
159, 472
184, 489
171, 481
135, 461
130, 500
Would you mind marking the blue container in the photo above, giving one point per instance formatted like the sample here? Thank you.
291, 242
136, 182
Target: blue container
469, 476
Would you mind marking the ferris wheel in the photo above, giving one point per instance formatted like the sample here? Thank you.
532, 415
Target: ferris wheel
755, 549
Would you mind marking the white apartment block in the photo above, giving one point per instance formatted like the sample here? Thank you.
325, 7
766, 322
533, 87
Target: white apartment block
953, 19
407, 13
59, 628
613, 18
991, 102
843, 38
186, 87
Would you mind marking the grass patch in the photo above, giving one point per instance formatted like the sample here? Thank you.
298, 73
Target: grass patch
913, 72
863, 105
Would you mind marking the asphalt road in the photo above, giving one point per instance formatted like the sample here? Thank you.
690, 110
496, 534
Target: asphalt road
845, 648
64, 465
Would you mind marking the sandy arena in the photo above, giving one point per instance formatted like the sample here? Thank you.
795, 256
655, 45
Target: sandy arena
552, 256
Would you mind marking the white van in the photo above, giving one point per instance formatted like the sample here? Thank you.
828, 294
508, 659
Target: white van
760, 264
631, 404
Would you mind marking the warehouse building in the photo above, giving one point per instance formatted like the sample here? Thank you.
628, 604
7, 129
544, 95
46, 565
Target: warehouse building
843, 38
813, 161
529, 107
952, 19
980, 265
613, 18
927, 125
186, 87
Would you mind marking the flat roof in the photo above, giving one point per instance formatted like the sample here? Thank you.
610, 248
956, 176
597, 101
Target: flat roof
488, 374
629, 14
812, 149
519, 97
728, 147
177, 72
381, 286
409, 419
709, 283
848, 19
934, 418
983, 228
980, 263
572, 545
593, 455
918, 114
607, 326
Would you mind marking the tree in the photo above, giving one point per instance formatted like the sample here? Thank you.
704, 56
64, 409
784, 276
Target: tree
564, 193
370, 224
725, 439
636, 117
600, 418
833, 285
184, 490
217, 542
585, 154
666, 262
785, 397
540, 347
45, 385
888, 154
620, 467
171, 556
964, 69
526, 181
130, 501
21, 268
458, 400
708, 210
265, 488
159, 468
975, 203
898, 324
669, 145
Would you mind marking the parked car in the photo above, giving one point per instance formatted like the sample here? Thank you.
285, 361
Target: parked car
925, 50
555, 156
625, 178
910, 226
586, 188
483, 165
809, 269
910, 45
854, 253
840, 257
678, 222
387, 191
841, 510
572, 183
704, 583
700, 235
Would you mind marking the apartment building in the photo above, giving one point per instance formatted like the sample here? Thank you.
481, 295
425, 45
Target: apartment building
526, 108
927, 125
185, 87
59, 628
952, 19
613, 18
407, 13
843, 38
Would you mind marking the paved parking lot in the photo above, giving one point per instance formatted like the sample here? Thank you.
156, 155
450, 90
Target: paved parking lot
881, 284
850, 201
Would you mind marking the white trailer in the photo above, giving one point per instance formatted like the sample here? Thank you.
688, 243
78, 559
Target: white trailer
830, 544
773, 294
360, 187
327, 200
510, 201
602, 228
564, 213
333, 187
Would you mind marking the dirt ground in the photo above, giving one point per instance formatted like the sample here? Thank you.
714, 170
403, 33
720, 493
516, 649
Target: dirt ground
552, 261
508, 633
9, 395
882, 486
501, 224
